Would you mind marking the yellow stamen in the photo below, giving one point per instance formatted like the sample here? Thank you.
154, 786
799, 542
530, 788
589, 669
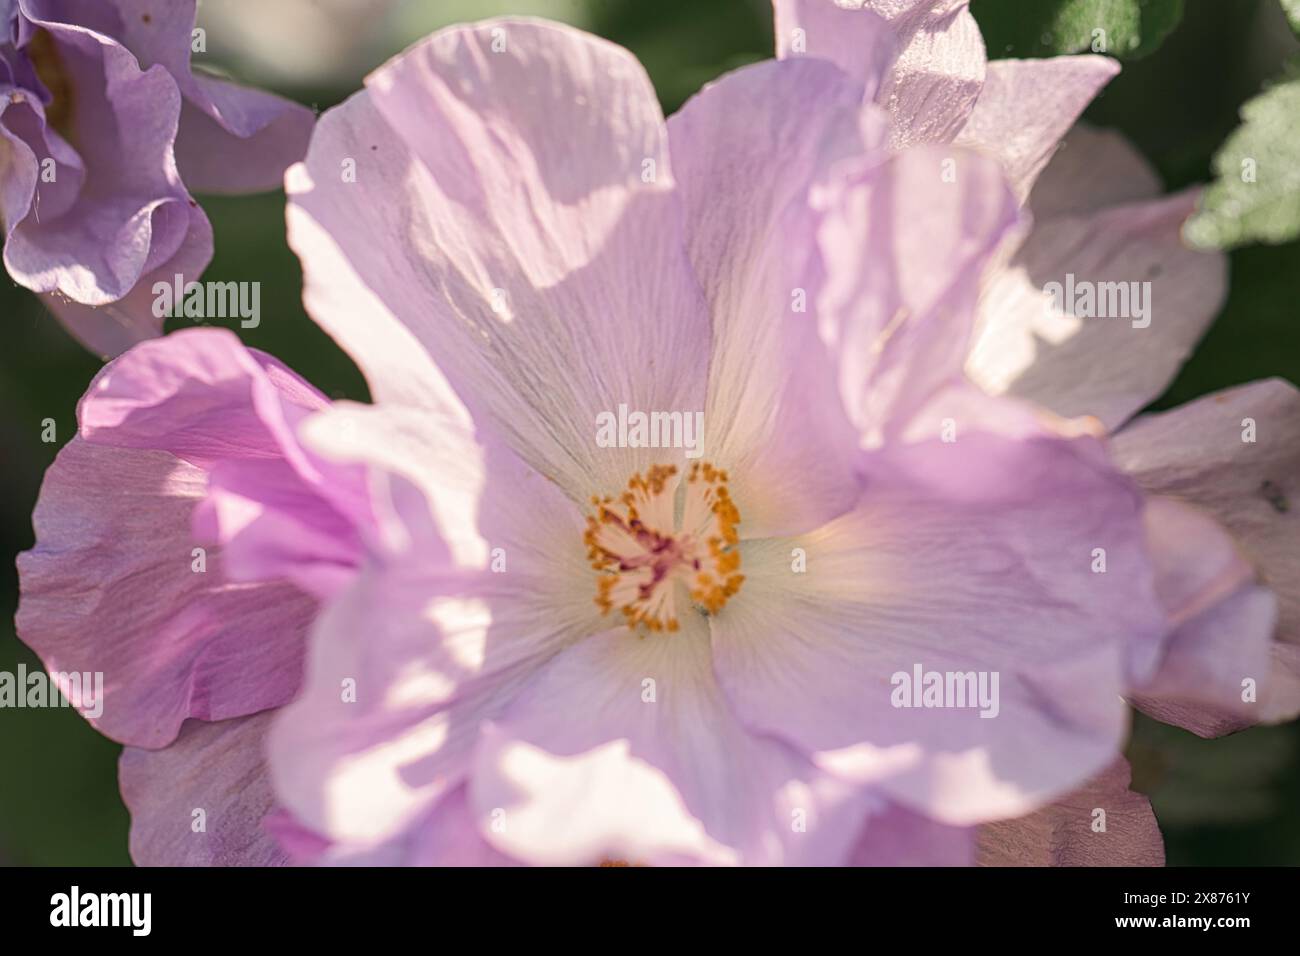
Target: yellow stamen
640, 556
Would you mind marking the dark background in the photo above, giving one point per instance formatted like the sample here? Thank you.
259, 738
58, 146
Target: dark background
1230, 801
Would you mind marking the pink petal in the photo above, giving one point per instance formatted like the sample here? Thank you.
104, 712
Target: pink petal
1196, 453
235, 139
1221, 623
231, 138
30, 142
896, 836
858, 41
747, 150
536, 178
447, 836
627, 810
479, 505
450, 837
433, 640
1201, 682
200, 395
975, 555
590, 762
938, 76
216, 768
109, 330
203, 397
1105, 366
175, 635
1092, 169
1069, 832
114, 549
1196, 562
905, 243
926, 66
1027, 106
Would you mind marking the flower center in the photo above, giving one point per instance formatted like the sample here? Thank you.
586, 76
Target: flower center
640, 559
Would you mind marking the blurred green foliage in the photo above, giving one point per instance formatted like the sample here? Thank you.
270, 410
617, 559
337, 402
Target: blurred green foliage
1292, 8
1030, 28
1229, 801
1256, 197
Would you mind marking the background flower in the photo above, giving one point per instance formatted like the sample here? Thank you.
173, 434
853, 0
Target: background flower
106, 128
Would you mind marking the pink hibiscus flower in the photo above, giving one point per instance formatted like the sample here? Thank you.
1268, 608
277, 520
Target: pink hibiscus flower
457, 626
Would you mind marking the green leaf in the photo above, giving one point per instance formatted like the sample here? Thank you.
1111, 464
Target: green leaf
1292, 10
1256, 196
1034, 28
